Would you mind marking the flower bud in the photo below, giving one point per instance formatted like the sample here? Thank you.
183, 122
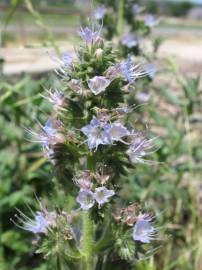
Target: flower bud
99, 53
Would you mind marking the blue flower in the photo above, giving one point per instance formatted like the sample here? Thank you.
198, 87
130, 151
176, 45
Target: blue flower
132, 72
100, 12
118, 131
98, 84
102, 195
67, 59
150, 21
85, 199
150, 69
56, 98
97, 133
37, 225
130, 41
139, 148
137, 9
89, 35
143, 231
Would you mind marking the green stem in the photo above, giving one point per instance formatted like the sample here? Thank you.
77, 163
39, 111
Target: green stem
87, 247
120, 24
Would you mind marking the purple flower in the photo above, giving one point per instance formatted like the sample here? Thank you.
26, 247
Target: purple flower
130, 71
150, 69
150, 21
85, 199
67, 59
56, 98
102, 195
49, 134
117, 131
130, 41
137, 9
97, 133
143, 97
99, 12
98, 84
37, 225
139, 148
90, 36
143, 231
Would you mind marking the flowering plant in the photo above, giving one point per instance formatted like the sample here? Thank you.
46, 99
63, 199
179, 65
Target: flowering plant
92, 141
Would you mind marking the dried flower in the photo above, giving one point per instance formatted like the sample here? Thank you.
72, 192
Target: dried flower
98, 84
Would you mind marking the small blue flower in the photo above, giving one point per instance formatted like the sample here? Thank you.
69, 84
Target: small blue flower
137, 9
90, 36
132, 72
130, 41
98, 84
97, 133
37, 225
102, 195
118, 131
56, 98
143, 96
143, 231
151, 70
85, 199
139, 148
100, 12
150, 21
67, 59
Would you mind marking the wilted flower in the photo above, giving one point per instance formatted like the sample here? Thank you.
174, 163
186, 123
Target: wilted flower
150, 21
102, 195
83, 179
85, 199
143, 231
37, 225
89, 35
99, 12
118, 131
97, 133
98, 84
139, 148
130, 41
56, 98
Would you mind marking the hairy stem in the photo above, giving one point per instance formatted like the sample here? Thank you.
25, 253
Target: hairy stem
87, 246
120, 24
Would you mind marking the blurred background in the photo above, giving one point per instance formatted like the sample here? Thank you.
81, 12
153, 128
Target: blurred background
33, 31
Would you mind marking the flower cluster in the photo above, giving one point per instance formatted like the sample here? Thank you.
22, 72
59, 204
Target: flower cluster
92, 113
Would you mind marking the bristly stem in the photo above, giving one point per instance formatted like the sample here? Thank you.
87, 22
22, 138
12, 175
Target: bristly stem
120, 24
87, 246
